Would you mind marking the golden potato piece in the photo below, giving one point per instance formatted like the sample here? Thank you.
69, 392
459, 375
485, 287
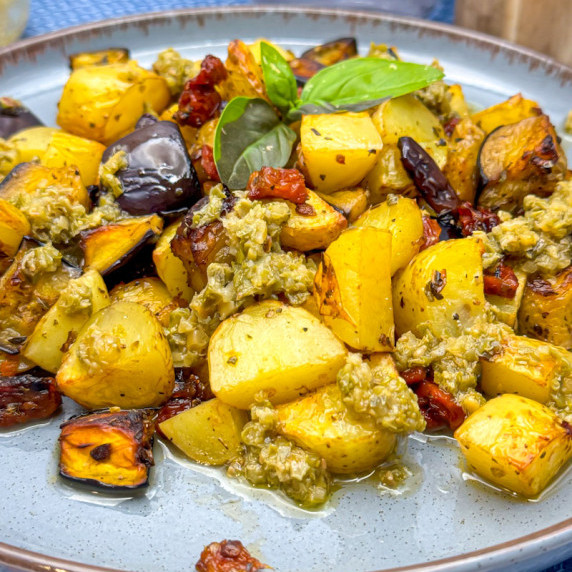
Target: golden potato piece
169, 267
546, 309
315, 231
525, 367
104, 102
208, 433
338, 149
57, 329
271, 347
351, 202
321, 423
353, 289
32, 143
515, 443
506, 309
402, 218
13, 226
442, 287
65, 150
120, 358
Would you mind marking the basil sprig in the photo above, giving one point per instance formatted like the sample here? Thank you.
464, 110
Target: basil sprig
250, 134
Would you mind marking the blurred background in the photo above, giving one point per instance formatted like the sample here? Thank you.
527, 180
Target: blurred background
540, 25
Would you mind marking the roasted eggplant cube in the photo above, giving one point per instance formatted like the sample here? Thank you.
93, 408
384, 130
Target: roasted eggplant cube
27, 397
160, 177
15, 117
109, 247
546, 309
515, 443
111, 449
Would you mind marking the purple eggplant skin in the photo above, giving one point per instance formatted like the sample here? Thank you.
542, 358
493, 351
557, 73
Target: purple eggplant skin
15, 117
160, 177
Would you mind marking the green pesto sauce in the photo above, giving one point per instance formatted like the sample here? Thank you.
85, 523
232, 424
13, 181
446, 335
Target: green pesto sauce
380, 394
108, 173
77, 298
270, 460
175, 69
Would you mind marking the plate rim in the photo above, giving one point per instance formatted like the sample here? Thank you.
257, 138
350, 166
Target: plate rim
510, 552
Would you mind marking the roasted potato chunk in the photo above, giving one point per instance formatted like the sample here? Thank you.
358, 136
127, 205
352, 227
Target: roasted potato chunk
99, 58
271, 347
313, 229
513, 110
321, 423
519, 159
27, 397
338, 149
13, 227
525, 367
515, 443
353, 289
169, 267
120, 358
461, 167
110, 449
441, 287
546, 309
58, 328
352, 203
109, 247
32, 143
208, 433
103, 103
402, 218
506, 309
65, 150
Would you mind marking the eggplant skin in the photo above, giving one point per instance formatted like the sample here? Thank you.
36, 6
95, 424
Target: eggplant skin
27, 397
15, 117
160, 177
111, 449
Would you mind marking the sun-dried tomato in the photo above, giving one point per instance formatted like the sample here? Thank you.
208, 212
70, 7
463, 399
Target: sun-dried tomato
271, 183
199, 101
414, 375
438, 406
431, 232
470, 219
208, 163
500, 281
450, 125
227, 556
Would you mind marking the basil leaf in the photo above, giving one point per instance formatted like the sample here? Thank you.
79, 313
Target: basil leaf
278, 78
249, 136
365, 81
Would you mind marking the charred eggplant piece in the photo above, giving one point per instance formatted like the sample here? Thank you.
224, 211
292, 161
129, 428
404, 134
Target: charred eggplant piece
99, 58
228, 556
109, 449
317, 58
519, 159
15, 117
159, 177
109, 247
27, 397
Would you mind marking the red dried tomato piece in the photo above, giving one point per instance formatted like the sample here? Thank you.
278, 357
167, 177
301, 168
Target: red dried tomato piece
199, 101
414, 375
271, 183
500, 281
208, 163
438, 406
227, 556
431, 232
471, 219
450, 125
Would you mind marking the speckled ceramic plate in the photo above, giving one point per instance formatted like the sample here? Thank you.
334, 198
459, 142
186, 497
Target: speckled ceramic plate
444, 521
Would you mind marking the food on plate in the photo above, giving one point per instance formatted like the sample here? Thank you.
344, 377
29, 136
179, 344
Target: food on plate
228, 556
112, 448
285, 266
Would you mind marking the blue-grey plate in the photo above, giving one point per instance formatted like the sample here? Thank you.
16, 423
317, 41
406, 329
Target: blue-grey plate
444, 521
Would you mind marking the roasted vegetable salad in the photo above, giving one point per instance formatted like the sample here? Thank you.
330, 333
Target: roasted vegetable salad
283, 266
